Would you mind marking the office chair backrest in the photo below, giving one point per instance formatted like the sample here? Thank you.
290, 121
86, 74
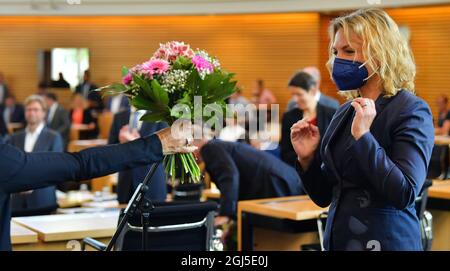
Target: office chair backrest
187, 192
439, 162
174, 226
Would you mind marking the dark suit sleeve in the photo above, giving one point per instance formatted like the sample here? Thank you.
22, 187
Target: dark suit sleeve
288, 154
224, 174
398, 173
21, 171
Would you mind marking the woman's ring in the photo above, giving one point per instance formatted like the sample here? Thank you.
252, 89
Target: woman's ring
188, 141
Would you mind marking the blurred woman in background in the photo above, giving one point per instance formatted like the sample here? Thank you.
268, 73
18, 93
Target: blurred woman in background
303, 88
83, 118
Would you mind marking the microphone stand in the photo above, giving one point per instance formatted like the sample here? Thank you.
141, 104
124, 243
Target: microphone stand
137, 202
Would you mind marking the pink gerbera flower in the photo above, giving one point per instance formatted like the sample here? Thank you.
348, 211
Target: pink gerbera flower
127, 79
202, 64
154, 66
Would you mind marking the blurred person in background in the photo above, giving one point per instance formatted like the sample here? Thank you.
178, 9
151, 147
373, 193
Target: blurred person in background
126, 127
443, 122
82, 116
58, 118
320, 97
4, 90
303, 88
35, 138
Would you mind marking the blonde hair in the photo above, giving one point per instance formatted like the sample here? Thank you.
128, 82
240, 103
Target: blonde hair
36, 98
386, 50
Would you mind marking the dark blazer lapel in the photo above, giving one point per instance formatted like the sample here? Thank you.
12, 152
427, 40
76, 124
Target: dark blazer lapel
334, 127
41, 142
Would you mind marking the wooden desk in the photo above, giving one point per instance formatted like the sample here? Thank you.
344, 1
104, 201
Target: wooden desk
75, 130
441, 140
440, 190
439, 206
211, 194
79, 145
22, 235
297, 208
61, 232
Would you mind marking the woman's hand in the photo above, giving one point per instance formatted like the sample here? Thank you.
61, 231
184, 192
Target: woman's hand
305, 139
365, 114
177, 138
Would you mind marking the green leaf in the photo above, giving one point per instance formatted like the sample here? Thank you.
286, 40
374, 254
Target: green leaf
142, 83
124, 71
141, 102
159, 93
154, 117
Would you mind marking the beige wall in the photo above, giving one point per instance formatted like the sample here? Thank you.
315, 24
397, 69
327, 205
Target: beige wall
268, 46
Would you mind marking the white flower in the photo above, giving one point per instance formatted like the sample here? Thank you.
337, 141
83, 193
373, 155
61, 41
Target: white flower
174, 80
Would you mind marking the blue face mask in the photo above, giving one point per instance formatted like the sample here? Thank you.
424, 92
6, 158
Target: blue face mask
348, 74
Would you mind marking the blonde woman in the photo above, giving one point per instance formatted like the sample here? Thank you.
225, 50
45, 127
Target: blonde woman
373, 159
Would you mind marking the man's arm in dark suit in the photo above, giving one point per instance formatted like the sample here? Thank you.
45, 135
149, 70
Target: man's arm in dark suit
21, 171
224, 174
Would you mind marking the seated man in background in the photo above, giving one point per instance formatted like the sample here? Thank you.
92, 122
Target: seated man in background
242, 172
58, 118
126, 127
303, 87
12, 112
35, 138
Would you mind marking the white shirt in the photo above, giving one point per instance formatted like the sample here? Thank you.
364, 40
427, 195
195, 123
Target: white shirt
136, 114
51, 112
318, 94
116, 101
32, 137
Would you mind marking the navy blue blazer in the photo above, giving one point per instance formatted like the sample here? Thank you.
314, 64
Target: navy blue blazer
372, 199
242, 172
130, 179
42, 200
20, 171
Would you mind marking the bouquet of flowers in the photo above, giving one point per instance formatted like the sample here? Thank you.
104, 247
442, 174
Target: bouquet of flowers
173, 76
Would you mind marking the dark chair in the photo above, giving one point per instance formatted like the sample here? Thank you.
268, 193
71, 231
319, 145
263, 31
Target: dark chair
174, 226
425, 217
439, 162
187, 192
